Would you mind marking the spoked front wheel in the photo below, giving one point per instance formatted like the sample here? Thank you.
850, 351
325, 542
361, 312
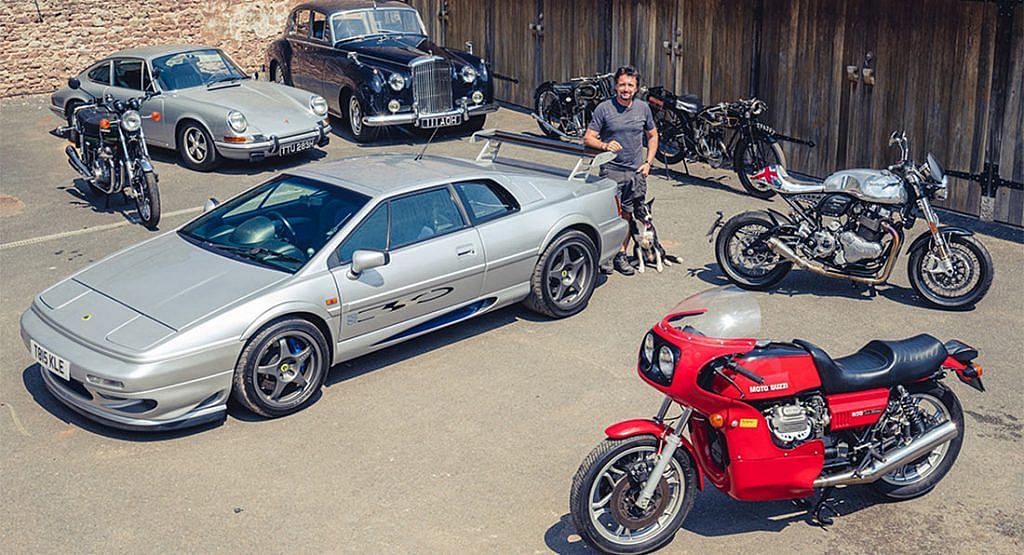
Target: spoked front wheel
602, 500
547, 106
147, 199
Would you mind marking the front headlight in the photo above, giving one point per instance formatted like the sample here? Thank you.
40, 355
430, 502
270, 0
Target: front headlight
131, 121
396, 82
468, 74
236, 121
648, 348
666, 362
318, 105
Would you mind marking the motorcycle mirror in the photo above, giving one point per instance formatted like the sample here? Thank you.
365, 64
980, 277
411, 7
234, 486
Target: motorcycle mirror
210, 204
74, 83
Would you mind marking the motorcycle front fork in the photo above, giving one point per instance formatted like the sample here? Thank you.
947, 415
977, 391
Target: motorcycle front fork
670, 442
940, 263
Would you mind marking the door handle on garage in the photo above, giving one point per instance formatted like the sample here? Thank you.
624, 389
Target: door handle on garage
464, 250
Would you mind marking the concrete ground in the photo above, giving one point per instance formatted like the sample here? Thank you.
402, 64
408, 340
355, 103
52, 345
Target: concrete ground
463, 441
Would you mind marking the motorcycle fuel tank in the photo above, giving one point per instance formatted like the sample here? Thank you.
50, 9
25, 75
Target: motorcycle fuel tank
878, 186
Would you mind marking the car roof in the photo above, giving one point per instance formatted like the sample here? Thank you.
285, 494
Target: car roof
331, 6
150, 52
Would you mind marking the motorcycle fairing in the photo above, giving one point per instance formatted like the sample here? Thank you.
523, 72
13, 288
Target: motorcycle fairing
786, 369
643, 426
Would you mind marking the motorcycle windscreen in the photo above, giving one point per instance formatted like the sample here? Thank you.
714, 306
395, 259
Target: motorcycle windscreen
723, 312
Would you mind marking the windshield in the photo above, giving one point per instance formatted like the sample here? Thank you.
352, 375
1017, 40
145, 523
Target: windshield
194, 68
359, 23
280, 224
722, 312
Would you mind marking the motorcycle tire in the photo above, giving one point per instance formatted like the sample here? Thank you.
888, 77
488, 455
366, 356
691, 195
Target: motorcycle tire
900, 484
571, 256
970, 258
545, 101
762, 154
147, 200
667, 151
601, 530
736, 273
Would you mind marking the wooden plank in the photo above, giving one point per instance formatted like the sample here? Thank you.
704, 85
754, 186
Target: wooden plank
1009, 204
513, 51
466, 23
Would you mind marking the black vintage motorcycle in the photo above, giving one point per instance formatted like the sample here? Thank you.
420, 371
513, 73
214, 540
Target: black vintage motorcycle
719, 135
109, 150
851, 226
563, 110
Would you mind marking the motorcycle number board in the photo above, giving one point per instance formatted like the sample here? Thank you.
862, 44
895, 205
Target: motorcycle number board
441, 121
51, 362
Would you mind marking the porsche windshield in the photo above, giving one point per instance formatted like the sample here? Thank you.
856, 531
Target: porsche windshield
194, 68
378, 21
281, 224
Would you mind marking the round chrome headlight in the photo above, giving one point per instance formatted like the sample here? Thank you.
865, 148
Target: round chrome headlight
666, 361
394, 106
236, 121
477, 97
648, 347
318, 105
131, 121
396, 82
468, 74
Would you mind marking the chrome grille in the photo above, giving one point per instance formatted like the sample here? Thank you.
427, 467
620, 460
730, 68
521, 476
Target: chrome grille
432, 86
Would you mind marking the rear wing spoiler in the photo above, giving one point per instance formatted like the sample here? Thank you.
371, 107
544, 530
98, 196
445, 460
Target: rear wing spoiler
588, 158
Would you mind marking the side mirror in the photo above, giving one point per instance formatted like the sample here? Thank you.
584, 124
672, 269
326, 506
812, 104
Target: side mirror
210, 204
366, 260
74, 83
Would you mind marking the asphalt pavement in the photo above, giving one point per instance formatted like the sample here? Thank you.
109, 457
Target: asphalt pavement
463, 441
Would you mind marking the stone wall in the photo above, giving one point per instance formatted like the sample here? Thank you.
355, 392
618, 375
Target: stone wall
47, 41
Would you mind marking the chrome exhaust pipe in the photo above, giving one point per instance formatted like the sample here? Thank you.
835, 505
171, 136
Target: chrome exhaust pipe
893, 460
76, 163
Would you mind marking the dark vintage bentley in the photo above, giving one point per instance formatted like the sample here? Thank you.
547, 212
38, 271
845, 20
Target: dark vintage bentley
376, 67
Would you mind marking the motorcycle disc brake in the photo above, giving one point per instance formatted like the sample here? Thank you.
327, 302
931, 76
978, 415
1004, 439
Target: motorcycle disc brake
623, 504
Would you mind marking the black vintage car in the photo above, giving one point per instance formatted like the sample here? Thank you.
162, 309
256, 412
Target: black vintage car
376, 67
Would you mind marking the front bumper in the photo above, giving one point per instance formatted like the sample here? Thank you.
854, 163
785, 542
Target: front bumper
416, 118
144, 402
257, 151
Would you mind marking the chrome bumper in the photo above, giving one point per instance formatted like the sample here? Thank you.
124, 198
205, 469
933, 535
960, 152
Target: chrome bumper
413, 117
272, 147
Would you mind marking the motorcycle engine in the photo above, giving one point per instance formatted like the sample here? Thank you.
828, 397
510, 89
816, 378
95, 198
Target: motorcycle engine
862, 239
797, 422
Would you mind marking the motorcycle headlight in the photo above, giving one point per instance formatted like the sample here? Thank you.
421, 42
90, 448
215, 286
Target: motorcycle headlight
396, 82
131, 121
648, 348
468, 74
318, 105
666, 362
236, 121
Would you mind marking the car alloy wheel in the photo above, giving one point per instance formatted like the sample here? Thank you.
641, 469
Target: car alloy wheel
196, 147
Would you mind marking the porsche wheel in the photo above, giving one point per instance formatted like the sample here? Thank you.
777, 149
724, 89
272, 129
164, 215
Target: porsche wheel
565, 276
281, 368
196, 148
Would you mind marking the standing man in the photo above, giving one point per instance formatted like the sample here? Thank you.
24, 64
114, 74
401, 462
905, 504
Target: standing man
619, 125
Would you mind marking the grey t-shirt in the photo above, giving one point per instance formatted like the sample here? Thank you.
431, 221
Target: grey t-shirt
613, 121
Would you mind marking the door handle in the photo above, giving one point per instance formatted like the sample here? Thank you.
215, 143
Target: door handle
465, 250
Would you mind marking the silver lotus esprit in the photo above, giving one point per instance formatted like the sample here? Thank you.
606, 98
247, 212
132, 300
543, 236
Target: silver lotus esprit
258, 297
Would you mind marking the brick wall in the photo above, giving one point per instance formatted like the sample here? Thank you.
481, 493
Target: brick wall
46, 41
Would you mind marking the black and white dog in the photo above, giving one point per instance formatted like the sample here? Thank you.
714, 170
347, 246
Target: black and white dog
647, 249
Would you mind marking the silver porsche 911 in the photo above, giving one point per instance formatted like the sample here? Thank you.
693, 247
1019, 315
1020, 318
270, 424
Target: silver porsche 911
258, 297
209, 109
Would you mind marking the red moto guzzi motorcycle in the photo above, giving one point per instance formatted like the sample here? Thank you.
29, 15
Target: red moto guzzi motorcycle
767, 421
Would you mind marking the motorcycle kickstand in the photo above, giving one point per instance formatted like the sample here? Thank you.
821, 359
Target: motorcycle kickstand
818, 516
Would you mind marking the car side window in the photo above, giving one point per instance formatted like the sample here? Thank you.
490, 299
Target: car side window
485, 200
319, 26
372, 234
128, 74
423, 215
301, 27
100, 74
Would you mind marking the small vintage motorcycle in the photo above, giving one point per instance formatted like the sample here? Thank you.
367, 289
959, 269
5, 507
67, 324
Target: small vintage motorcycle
719, 135
768, 421
851, 226
109, 150
563, 110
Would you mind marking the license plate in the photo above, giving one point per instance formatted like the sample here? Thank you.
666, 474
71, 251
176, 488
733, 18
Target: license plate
440, 121
297, 146
51, 362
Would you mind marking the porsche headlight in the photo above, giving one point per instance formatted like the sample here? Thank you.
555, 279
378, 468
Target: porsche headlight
236, 121
666, 361
131, 121
468, 74
648, 348
396, 82
318, 105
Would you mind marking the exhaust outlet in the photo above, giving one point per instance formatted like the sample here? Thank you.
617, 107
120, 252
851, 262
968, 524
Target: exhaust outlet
76, 163
893, 460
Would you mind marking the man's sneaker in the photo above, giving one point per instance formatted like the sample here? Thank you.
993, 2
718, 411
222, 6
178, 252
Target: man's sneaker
622, 265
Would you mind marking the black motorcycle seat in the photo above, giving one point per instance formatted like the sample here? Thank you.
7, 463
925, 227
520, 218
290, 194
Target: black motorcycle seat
878, 364
690, 102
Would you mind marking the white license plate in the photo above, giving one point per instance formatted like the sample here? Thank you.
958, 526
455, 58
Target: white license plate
51, 362
440, 121
297, 146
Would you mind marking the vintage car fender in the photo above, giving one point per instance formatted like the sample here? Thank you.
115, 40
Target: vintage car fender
566, 222
643, 426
